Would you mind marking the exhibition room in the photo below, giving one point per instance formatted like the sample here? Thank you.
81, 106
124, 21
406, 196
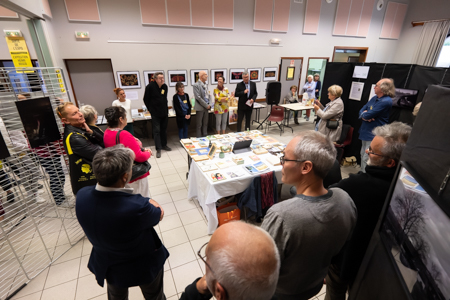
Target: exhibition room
222, 149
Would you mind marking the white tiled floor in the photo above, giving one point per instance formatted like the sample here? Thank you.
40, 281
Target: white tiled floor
183, 231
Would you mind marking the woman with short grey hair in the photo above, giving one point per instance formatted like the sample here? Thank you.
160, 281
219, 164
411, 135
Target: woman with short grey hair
111, 163
332, 112
90, 115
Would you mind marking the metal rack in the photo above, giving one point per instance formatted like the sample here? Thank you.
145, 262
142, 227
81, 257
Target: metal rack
34, 231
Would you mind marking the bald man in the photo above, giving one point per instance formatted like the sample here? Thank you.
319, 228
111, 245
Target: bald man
202, 105
241, 262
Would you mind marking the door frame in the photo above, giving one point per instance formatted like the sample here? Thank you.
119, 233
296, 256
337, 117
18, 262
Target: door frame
301, 68
363, 52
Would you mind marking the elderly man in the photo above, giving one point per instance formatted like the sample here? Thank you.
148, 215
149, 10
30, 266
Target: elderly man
368, 190
202, 105
155, 99
235, 271
126, 249
247, 93
375, 113
312, 227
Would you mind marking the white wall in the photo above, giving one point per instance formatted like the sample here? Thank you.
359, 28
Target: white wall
121, 21
15, 24
419, 10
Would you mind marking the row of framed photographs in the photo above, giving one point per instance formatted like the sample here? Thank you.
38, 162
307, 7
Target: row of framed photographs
131, 80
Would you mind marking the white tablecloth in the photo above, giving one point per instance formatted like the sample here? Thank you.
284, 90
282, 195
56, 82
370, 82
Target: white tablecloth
207, 192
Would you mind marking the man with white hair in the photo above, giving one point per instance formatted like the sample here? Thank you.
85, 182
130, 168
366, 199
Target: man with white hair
242, 263
202, 105
368, 190
310, 228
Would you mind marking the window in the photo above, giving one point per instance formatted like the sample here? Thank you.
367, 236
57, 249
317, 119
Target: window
444, 57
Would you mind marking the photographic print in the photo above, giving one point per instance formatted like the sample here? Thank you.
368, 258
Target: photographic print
129, 80
255, 74
290, 73
232, 116
270, 74
236, 75
216, 73
405, 98
175, 76
413, 231
195, 75
148, 76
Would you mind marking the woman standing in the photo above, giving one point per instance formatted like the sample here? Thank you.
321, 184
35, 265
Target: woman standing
221, 97
318, 84
126, 104
182, 106
90, 115
334, 110
310, 89
117, 120
292, 97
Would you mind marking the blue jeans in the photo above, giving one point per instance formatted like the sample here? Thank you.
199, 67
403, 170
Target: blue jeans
183, 131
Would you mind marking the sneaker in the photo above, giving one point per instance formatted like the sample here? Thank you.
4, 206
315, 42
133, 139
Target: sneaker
167, 148
158, 153
10, 197
307, 119
65, 204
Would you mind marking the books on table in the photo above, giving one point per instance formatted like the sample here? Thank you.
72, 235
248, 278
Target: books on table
257, 168
216, 176
236, 173
225, 164
273, 160
206, 166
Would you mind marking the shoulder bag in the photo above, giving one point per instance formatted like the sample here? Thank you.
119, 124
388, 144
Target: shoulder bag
332, 124
139, 169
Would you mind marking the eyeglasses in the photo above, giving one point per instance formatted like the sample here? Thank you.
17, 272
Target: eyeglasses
203, 257
369, 151
283, 160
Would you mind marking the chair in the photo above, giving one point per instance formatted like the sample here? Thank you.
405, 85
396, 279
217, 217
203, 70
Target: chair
276, 115
344, 140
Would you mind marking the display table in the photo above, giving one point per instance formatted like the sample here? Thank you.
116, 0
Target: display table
293, 107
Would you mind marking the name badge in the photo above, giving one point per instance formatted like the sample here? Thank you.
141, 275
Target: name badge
371, 107
162, 92
185, 101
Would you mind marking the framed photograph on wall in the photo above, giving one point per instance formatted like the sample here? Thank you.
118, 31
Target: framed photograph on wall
195, 75
290, 73
255, 74
177, 75
128, 79
236, 75
270, 74
215, 73
148, 76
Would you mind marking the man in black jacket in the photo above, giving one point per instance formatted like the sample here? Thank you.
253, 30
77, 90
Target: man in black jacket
368, 191
155, 99
247, 93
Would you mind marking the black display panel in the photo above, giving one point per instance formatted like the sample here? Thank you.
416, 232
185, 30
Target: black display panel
4, 152
39, 121
415, 231
405, 98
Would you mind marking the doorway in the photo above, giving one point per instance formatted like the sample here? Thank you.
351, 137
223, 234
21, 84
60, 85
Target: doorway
289, 74
350, 54
317, 65
92, 82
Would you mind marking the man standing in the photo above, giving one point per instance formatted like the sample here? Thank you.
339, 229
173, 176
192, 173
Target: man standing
312, 227
246, 91
126, 251
202, 105
375, 113
155, 99
368, 190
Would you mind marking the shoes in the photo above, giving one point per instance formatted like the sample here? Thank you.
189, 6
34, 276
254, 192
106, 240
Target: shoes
65, 204
10, 197
167, 148
304, 117
307, 118
296, 121
158, 153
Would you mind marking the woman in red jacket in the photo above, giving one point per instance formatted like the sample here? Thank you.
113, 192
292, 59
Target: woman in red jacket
117, 120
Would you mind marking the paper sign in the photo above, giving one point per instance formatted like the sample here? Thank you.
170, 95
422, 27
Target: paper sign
372, 92
132, 95
292, 63
356, 91
361, 72
19, 53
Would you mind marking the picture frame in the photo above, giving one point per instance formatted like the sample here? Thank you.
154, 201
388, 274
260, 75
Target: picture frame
254, 74
218, 72
212, 151
236, 75
232, 115
128, 79
195, 77
270, 74
148, 76
290, 73
173, 76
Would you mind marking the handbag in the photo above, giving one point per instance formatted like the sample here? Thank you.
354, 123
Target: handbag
139, 169
332, 124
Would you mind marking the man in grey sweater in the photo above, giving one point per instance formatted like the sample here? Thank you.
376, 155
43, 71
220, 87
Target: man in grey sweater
311, 228
202, 105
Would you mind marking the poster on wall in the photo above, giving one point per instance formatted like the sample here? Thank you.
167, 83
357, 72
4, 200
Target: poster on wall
149, 76
270, 74
177, 75
216, 73
356, 91
236, 75
232, 116
254, 74
39, 121
195, 75
128, 80
290, 71
361, 72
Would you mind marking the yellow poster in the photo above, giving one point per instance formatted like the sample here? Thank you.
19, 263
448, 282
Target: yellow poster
19, 53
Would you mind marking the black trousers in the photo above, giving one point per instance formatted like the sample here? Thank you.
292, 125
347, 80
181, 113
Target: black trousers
151, 291
57, 178
159, 127
248, 116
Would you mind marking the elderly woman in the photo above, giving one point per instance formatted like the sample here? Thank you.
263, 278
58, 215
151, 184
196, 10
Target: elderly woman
318, 84
125, 103
310, 89
117, 120
90, 115
292, 97
334, 110
182, 106
221, 97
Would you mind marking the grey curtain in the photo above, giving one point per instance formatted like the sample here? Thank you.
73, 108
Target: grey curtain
431, 42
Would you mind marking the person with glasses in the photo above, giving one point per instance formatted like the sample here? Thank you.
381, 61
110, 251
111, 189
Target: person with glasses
375, 113
241, 263
312, 227
368, 190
